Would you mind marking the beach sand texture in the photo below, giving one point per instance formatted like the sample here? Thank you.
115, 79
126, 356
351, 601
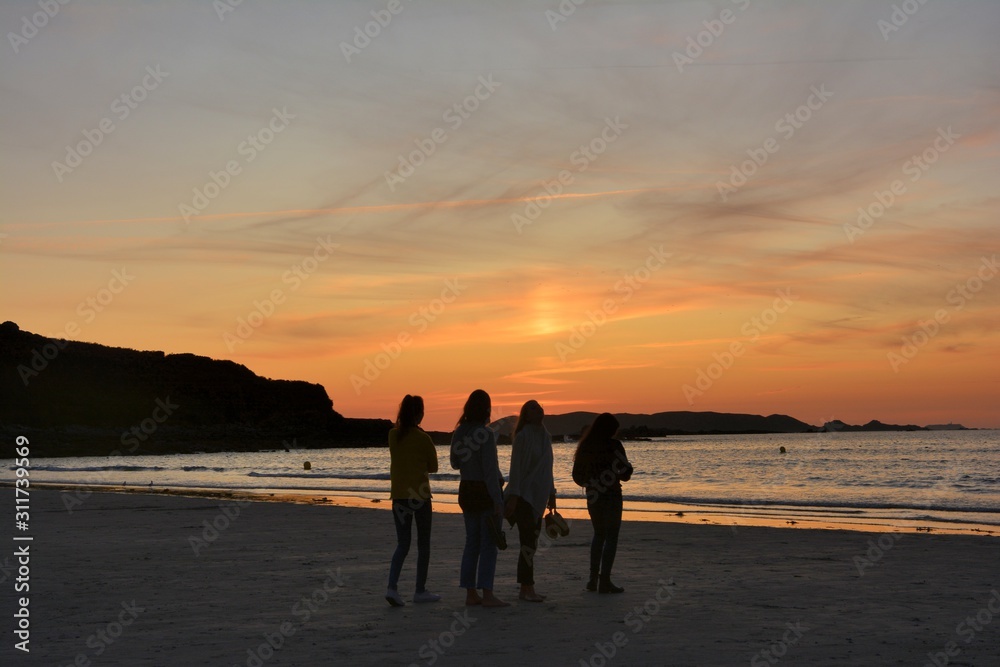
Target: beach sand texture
118, 582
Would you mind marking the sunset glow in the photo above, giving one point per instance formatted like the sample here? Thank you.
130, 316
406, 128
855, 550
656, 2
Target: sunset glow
801, 220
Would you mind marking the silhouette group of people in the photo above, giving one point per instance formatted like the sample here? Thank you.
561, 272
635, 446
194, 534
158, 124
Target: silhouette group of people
600, 465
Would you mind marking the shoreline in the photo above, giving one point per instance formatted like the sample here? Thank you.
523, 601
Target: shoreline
570, 508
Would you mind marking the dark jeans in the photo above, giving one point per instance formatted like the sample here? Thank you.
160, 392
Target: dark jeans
403, 513
606, 516
528, 528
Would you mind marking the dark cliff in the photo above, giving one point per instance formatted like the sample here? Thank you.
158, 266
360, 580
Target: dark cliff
77, 398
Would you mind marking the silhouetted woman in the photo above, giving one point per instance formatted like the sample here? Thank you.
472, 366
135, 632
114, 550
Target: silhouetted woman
412, 456
529, 490
600, 465
474, 453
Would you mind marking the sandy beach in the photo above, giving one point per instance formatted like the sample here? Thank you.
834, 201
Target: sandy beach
133, 579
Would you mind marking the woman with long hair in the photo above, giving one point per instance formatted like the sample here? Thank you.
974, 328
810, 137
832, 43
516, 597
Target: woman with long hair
412, 457
600, 465
530, 490
474, 454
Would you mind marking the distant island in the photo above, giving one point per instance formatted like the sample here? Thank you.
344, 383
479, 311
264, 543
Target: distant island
875, 425
77, 399
670, 423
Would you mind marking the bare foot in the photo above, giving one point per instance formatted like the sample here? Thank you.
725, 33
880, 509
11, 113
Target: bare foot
472, 598
490, 600
529, 595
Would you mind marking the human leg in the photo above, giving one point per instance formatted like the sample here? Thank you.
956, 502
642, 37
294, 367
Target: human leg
527, 532
596, 507
614, 523
402, 517
423, 517
470, 555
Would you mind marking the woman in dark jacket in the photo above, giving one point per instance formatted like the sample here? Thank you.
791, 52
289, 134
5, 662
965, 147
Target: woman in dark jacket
600, 465
480, 495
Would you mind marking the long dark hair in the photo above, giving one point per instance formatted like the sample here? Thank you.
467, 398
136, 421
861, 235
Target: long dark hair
597, 436
411, 411
476, 410
531, 413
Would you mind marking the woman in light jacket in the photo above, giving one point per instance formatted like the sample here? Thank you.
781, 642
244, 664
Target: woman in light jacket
474, 454
529, 491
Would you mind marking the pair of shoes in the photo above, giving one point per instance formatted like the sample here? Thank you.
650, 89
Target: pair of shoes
592, 583
607, 587
393, 598
426, 596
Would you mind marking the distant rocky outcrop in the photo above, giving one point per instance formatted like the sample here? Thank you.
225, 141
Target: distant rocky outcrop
84, 398
874, 425
670, 423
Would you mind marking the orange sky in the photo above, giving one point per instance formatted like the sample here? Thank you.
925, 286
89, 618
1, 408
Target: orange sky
590, 224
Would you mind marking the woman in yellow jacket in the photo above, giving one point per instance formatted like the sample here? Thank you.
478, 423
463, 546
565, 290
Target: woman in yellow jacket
412, 457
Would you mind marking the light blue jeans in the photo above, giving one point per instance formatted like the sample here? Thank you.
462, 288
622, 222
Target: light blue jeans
480, 552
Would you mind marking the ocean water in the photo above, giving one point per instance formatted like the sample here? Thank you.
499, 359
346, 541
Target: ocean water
937, 479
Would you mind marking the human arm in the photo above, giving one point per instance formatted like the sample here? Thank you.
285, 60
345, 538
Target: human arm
432, 457
518, 461
455, 454
581, 469
515, 476
491, 469
621, 465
